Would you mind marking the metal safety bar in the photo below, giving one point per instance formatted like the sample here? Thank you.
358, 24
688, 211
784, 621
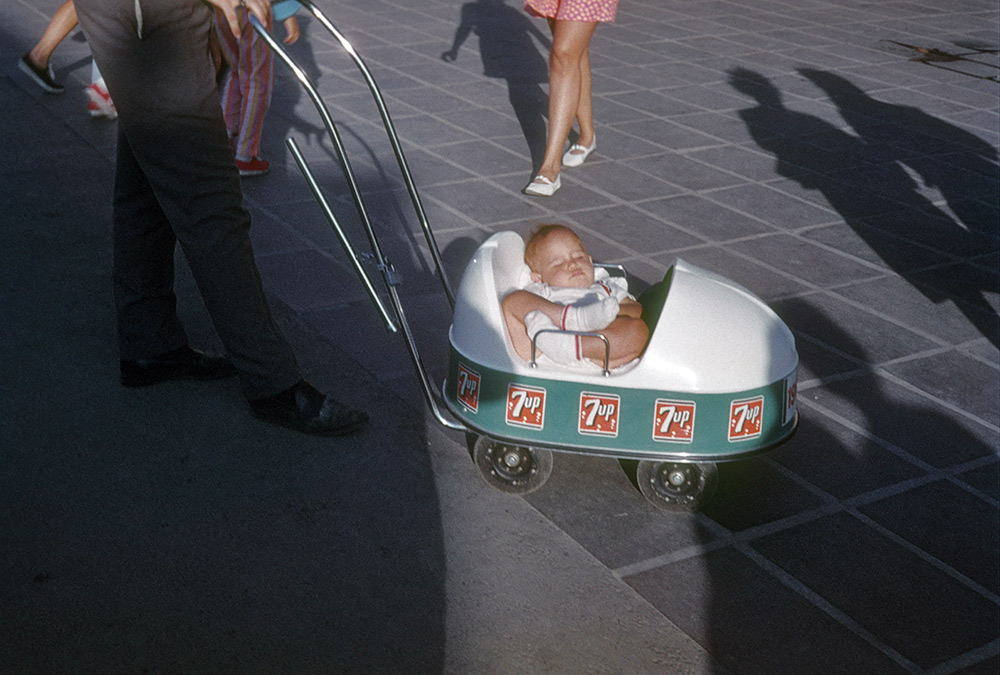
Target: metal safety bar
331, 129
341, 235
389, 275
607, 345
397, 148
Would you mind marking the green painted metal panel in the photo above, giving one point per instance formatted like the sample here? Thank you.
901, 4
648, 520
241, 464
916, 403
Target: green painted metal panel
617, 421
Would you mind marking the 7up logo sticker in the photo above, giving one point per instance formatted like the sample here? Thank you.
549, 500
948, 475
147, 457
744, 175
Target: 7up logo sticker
673, 421
598, 414
525, 406
468, 388
745, 418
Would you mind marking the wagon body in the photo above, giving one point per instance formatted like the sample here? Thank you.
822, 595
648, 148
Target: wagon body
716, 382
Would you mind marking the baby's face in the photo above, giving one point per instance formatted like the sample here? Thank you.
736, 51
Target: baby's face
561, 260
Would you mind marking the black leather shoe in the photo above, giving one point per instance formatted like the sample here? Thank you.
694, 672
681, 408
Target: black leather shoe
304, 408
183, 363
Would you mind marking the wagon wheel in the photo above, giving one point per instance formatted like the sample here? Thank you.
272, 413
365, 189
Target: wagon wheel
674, 486
512, 468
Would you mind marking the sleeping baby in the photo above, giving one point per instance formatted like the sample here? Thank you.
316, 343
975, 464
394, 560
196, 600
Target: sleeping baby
567, 293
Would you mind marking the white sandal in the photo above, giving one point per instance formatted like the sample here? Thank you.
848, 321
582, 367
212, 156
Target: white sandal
542, 186
577, 154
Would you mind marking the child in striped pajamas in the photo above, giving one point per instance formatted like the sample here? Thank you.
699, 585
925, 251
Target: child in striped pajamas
246, 89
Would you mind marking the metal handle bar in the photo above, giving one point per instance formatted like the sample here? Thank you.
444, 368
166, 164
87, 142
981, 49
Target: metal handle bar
394, 141
341, 235
331, 128
613, 266
389, 275
604, 339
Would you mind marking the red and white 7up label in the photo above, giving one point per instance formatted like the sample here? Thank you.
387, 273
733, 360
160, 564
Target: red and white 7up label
598, 414
525, 406
791, 392
745, 418
673, 421
468, 388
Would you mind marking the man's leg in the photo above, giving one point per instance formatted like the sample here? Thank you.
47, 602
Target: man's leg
159, 73
143, 272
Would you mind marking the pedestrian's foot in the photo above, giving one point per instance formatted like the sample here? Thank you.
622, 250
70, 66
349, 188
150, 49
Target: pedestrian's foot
542, 186
100, 104
43, 77
183, 363
578, 153
255, 166
304, 408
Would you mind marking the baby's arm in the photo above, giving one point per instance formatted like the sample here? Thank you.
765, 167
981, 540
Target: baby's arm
518, 304
627, 333
630, 308
516, 307
618, 287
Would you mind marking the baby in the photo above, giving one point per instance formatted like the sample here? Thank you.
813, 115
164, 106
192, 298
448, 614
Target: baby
567, 293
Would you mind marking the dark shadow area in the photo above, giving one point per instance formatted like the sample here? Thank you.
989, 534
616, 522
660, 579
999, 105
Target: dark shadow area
958, 163
283, 117
164, 529
456, 256
858, 556
863, 178
383, 190
508, 52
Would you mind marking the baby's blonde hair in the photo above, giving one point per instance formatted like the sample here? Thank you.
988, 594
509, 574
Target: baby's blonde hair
538, 237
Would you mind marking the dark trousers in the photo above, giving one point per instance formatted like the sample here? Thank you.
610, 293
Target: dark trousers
176, 183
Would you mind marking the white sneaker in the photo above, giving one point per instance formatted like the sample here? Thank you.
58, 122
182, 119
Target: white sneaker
100, 104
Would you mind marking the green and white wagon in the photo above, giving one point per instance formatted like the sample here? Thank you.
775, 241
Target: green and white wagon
716, 383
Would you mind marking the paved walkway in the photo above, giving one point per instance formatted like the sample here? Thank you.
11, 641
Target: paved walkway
838, 158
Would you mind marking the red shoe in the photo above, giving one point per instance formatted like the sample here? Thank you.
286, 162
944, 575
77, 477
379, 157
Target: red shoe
255, 166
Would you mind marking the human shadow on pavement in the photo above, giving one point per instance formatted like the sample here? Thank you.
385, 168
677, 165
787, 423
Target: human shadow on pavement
859, 477
863, 177
283, 116
508, 52
163, 529
958, 163
382, 188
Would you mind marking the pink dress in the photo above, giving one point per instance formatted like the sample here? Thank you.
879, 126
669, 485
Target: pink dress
573, 10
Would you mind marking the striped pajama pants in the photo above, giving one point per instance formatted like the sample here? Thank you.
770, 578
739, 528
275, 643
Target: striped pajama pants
246, 92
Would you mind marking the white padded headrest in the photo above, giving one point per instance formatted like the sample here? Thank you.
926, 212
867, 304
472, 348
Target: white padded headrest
523, 276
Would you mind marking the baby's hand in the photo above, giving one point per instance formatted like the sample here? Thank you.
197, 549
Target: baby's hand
560, 347
590, 314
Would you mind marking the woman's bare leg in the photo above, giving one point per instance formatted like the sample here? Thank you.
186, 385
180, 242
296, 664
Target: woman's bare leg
570, 40
63, 21
585, 110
